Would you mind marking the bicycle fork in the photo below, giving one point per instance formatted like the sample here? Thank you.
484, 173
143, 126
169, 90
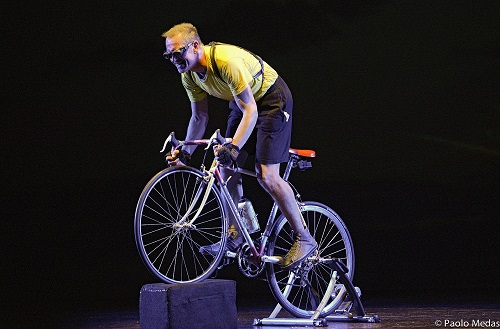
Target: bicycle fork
182, 223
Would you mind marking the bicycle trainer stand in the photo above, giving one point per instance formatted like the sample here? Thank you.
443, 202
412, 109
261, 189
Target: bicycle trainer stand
343, 314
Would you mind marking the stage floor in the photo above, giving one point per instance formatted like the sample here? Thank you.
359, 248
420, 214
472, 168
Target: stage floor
397, 316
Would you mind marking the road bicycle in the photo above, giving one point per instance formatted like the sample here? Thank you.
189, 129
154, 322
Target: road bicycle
182, 209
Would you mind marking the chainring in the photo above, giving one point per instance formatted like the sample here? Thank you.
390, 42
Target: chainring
246, 264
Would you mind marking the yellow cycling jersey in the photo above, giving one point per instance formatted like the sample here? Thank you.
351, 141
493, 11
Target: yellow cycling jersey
237, 68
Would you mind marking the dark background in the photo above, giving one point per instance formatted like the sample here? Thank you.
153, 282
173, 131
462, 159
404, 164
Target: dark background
399, 99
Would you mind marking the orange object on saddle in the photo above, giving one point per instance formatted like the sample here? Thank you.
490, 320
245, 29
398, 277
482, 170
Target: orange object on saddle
303, 153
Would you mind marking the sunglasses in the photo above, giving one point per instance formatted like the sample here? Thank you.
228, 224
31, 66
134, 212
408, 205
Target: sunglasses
178, 53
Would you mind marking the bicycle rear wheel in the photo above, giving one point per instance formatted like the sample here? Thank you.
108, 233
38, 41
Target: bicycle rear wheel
169, 247
300, 291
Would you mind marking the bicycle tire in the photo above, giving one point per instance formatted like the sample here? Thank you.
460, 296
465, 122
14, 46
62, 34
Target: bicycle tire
334, 241
172, 253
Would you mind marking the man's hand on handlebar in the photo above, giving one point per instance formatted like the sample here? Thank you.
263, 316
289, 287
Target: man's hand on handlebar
226, 153
178, 158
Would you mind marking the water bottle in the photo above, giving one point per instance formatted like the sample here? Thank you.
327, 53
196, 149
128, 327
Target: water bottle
248, 215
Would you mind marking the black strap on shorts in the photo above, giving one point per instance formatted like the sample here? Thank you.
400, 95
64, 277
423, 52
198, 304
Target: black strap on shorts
216, 69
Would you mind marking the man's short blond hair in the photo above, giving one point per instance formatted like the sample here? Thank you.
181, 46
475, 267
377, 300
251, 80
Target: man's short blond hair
187, 30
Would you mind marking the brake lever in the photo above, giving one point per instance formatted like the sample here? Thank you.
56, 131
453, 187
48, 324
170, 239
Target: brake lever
216, 138
172, 140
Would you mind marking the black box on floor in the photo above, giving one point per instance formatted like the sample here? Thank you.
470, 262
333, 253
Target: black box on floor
207, 304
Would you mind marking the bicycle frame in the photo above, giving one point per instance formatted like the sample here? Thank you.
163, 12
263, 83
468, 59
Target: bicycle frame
213, 174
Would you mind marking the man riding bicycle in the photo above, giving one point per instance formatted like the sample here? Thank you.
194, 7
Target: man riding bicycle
260, 119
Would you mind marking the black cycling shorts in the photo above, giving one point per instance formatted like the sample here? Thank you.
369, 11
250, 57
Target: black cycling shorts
270, 140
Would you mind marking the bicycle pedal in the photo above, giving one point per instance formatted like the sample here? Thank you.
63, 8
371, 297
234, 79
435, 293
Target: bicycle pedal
272, 259
225, 261
230, 254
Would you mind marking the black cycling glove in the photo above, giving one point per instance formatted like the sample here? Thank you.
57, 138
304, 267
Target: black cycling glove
227, 154
182, 156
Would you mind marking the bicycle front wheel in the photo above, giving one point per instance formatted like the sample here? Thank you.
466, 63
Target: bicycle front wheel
173, 220
299, 291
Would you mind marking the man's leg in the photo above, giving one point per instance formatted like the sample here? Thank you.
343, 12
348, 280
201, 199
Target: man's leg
234, 185
282, 194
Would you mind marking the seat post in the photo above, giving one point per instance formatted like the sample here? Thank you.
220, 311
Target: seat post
292, 160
